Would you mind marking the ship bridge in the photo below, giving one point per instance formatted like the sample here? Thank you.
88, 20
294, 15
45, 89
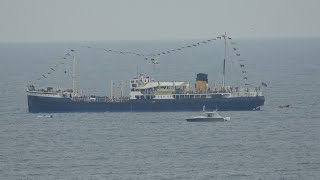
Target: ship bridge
163, 85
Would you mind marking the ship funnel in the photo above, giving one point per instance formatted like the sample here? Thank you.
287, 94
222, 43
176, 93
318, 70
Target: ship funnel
201, 82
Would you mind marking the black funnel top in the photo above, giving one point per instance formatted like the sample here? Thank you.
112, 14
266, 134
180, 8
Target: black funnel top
202, 77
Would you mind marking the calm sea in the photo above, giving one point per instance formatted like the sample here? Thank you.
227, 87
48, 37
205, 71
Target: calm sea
274, 143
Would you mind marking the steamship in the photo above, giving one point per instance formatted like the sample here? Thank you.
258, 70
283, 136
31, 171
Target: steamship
147, 94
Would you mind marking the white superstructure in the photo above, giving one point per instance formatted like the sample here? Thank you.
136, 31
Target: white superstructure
142, 85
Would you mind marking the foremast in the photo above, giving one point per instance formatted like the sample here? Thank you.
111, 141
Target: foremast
73, 73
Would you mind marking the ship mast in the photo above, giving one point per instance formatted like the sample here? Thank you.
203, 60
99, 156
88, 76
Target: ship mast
122, 89
224, 60
73, 73
111, 91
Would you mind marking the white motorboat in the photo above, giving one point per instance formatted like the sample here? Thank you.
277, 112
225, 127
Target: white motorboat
211, 116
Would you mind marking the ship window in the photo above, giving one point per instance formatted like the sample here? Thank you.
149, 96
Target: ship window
134, 85
132, 81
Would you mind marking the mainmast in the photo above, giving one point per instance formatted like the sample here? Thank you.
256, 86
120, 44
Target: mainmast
111, 91
224, 60
73, 73
122, 89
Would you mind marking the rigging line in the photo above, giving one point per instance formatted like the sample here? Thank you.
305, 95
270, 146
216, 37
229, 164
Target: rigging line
152, 54
243, 70
232, 68
183, 47
53, 68
232, 47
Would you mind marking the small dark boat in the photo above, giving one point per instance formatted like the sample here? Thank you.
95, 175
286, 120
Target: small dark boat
285, 106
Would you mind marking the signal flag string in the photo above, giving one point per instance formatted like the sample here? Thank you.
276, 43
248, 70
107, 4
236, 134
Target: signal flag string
154, 57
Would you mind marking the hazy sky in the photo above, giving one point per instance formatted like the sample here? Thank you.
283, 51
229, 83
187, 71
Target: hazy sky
80, 20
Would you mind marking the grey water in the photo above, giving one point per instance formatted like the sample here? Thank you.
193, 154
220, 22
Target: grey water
274, 143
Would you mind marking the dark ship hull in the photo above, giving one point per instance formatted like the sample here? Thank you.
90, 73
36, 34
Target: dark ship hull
37, 104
